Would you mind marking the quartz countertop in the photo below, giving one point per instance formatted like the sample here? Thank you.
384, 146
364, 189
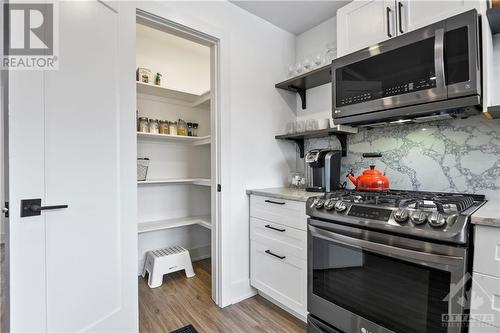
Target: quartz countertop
488, 215
284, 193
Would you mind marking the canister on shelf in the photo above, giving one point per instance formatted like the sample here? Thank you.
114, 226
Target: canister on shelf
143, 125
195, 129
143, 74
164, 127
154, 126
190, 129
181, 127
173, 128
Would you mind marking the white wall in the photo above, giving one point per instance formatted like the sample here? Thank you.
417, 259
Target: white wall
184, 65
308, 44
254, 57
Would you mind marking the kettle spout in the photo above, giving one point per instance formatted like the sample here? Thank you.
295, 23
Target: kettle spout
353, 179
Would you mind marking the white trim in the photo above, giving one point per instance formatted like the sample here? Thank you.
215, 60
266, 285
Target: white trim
284, 307
244, 290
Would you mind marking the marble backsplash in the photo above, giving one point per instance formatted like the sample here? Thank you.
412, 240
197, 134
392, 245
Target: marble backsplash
459, 155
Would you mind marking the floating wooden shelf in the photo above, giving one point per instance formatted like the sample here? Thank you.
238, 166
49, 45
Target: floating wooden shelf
340, 131
494, 19
301, 83
194, 140
203, 221
173, 181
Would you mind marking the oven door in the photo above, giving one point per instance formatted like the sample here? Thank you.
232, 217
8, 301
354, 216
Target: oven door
365, 281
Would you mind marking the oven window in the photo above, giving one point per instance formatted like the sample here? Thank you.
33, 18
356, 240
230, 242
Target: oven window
403, 70
397, 295
457, 56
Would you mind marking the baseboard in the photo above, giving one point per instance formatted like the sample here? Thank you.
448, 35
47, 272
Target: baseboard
242, 290
284, 307
197, 254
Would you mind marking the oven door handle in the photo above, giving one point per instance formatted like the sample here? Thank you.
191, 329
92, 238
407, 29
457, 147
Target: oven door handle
429, 259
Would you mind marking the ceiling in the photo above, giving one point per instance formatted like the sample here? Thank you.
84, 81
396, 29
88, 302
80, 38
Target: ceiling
292, 16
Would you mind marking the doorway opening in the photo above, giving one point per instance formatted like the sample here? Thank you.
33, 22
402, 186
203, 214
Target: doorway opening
178, 165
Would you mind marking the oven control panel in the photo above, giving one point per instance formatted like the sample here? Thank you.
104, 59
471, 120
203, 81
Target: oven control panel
379, 214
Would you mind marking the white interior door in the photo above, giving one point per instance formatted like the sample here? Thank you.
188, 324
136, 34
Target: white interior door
69, 268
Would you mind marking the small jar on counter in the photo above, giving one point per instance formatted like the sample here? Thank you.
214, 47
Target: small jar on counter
143, 125
164, 127
181, 127
195, 129
154, 126
190, 129
173, 128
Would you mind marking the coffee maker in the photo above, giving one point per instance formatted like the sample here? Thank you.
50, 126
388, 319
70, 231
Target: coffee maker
322, 170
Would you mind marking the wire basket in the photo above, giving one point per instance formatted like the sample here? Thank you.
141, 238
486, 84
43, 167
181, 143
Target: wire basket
142, 168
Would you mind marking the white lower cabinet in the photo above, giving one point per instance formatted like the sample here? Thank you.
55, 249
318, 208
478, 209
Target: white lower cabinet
278, 252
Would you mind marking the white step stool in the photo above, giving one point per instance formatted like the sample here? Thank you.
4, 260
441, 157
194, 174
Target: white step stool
168, 260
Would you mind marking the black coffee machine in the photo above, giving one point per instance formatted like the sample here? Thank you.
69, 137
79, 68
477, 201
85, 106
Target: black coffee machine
322, 170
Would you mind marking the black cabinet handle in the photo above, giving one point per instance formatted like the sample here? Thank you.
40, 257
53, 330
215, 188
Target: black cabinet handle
400, 6
273, 228
275, 255
275, 202
388, 13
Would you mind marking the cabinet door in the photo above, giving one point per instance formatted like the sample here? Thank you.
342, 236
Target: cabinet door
414, 14
361, 24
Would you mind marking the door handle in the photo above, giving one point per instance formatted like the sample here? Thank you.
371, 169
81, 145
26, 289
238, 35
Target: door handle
33, 207
400, 6
388, 13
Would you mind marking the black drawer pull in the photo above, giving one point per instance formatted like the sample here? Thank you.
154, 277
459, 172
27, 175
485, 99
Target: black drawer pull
273, 228
275, 255
275, 202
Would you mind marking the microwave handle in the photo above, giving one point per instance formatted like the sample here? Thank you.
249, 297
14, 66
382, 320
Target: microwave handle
439, 58
430, 259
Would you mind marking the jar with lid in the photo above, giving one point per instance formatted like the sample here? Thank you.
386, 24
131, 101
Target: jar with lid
172, 128
195, 129
154, 126
181, 127
164, 127
190, 129
143, 125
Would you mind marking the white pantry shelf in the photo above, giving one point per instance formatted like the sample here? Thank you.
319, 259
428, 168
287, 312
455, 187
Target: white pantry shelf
203, 221
188, 181
194, 140
202, 100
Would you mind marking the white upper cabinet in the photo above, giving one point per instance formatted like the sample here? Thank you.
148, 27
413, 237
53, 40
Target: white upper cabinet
363, 23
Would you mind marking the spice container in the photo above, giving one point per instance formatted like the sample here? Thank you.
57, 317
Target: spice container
143, 125
190, 129
195, 129
173, 128
143, 74
154, 126
181, 127
164, 127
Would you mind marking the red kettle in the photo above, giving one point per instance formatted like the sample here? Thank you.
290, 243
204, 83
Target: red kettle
371, 180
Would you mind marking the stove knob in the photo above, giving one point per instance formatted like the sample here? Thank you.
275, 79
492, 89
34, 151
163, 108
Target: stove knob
329, 204
418, 217
401, 215
340, 206
450, 220
436, 219
319, 203
313, 204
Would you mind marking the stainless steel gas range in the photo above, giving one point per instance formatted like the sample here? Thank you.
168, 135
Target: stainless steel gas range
395, 261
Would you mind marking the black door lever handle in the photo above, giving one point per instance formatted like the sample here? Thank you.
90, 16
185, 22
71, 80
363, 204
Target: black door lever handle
33, 207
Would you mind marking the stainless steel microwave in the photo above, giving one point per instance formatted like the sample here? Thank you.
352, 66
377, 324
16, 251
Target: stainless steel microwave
427, 72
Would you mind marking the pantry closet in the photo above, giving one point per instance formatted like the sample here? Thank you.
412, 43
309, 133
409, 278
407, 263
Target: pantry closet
174, 142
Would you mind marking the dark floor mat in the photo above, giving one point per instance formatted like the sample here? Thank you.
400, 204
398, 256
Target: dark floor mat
186, 329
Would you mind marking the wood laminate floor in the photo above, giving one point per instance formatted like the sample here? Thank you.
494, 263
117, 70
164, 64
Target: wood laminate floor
181, 301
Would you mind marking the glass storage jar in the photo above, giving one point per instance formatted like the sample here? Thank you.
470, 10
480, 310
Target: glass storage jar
190, 129
195, 129
143, 125
154, 126
173, 128
164, 127
181, 127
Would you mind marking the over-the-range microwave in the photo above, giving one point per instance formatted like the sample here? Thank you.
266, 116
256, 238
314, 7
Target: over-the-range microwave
422, 74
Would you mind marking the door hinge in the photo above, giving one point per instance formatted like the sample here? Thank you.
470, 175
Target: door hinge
5, 209
219, 188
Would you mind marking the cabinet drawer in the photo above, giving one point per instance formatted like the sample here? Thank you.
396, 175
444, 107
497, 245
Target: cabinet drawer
285, 280
487, 250
486, 299
281, 237
287, 212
